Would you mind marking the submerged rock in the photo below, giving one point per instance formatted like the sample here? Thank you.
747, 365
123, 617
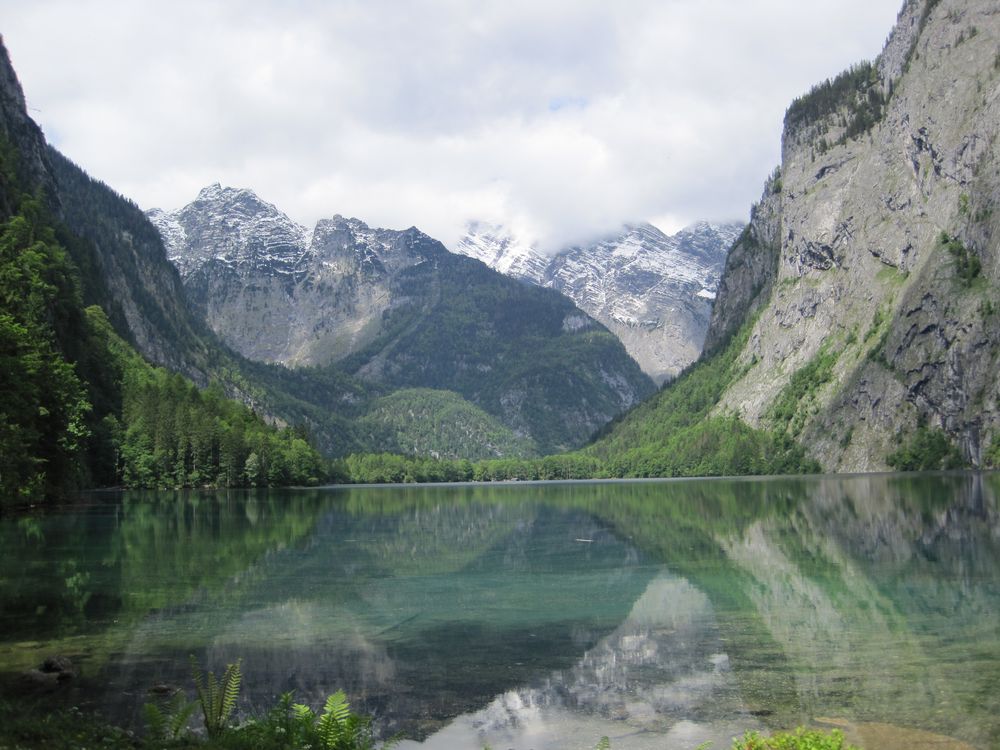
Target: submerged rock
50, 674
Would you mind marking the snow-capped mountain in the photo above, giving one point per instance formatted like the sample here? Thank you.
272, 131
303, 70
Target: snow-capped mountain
233, 227
503, 252
652, 290
396, 310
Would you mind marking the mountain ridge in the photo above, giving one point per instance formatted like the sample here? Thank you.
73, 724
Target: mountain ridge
394, 309
652, 290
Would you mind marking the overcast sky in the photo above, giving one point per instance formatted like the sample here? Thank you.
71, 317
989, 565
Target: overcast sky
561, 119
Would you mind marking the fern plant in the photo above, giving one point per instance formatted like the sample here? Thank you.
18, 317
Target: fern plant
337, 728
168, 719
217, 696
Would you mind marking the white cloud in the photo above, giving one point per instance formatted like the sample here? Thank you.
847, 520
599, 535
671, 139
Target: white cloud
564, 118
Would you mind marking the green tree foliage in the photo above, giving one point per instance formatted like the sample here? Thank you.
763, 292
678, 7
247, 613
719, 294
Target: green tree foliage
175, 435
428, 422
855, 94
391, 468
991, 459
967, 264
926, 450
46, 406
790, 408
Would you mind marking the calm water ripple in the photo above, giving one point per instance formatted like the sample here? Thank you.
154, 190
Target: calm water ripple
661, 614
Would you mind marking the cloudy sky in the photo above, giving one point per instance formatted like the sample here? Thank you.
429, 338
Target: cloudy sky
558, 118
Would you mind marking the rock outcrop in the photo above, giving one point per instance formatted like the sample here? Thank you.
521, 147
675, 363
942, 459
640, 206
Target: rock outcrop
277, 292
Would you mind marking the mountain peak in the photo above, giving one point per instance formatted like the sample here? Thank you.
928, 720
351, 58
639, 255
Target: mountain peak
232, 226
337, 221
231, 196
218, 192
210, 192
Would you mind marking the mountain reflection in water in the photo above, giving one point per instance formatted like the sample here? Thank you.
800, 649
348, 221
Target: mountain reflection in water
657, 613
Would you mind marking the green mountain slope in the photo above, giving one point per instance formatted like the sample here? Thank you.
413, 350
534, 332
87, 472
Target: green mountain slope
524, 354
676, 433
442, 424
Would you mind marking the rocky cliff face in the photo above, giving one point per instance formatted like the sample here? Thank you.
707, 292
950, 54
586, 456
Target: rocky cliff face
872, 261
653, 291
277, 292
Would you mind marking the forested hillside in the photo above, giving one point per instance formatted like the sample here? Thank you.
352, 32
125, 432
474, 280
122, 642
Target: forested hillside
56, 391
79, 407
523, 354
439, 424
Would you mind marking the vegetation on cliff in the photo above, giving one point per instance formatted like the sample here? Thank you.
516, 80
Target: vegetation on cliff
852, 102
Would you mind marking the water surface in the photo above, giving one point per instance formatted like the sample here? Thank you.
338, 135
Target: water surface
661, 614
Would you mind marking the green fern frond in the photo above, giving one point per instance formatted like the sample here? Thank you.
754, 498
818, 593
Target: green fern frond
329, 731
231, 689
603, 744
198, 677
156, 722
217, 699
168, 719
214, 703
338, 707
303, 713
334, 725
180, 713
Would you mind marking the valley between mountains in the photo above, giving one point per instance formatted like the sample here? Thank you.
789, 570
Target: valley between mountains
852, 325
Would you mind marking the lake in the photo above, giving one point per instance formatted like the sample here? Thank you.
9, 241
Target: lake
660, 614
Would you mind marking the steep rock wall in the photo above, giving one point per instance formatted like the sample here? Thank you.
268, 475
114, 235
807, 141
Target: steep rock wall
898, 327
